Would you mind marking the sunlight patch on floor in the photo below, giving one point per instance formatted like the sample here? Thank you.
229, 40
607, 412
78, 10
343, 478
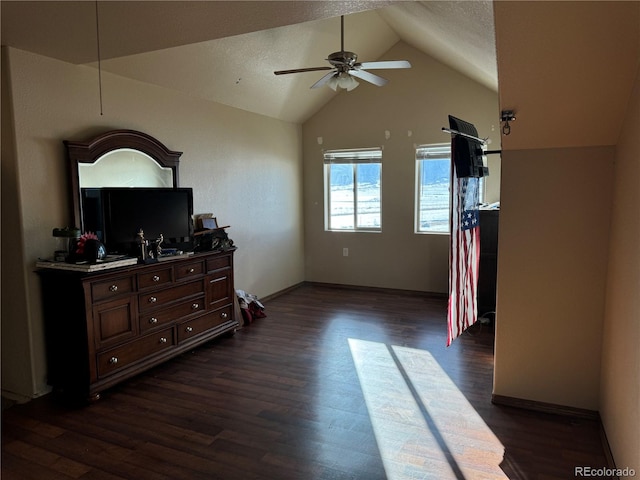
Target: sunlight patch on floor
424, 426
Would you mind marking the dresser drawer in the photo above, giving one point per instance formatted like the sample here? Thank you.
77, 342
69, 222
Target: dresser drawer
217, 263
111, 288
121, 357
167, 315
197, 326
219, 289
189, 270
114, 321
155, 278
159, 298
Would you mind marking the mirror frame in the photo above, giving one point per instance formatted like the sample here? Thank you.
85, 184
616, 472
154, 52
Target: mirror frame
92, 150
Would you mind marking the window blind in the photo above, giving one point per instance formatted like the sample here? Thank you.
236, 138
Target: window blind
430, 152
354, 155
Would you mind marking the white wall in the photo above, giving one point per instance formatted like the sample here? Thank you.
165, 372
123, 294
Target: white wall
413, 107
244, 168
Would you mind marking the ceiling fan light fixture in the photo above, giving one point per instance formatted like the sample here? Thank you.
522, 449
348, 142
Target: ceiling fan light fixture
346, 81
342, 80
333, 83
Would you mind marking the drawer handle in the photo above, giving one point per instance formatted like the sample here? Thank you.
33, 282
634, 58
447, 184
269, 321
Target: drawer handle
194, 306
224, 315
189, 329
113, 360
163, 340
156, 278
153, 320
191, 270
113, 288
153, 299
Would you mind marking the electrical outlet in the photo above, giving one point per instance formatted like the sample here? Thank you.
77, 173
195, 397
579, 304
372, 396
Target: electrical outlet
345, 252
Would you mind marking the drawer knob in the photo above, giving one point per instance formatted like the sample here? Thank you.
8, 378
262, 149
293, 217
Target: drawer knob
189, 329
223, 315
153, 320
113, 360
156, 278
194, 306
191, 270
113, 288
163, 340
153, 299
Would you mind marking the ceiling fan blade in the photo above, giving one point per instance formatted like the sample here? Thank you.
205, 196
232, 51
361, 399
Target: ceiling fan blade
369, 77
299, 70
323, 80
384, 64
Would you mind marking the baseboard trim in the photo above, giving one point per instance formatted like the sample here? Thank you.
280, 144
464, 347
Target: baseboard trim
281, 292
608, 454
544, 407
346, 286
563, 410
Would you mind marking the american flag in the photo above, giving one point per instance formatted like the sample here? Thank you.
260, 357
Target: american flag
464, 255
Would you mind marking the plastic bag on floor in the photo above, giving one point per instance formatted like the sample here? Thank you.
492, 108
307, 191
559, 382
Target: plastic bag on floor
250, 306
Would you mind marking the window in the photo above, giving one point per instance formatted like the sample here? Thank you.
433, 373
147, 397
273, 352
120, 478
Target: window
353, 189
433, 178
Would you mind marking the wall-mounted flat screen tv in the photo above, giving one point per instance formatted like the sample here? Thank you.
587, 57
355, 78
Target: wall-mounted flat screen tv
117, 214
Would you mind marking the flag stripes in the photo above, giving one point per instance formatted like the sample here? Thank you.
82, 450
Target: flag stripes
464, 256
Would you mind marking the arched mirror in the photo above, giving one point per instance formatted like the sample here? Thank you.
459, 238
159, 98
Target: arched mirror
119, 158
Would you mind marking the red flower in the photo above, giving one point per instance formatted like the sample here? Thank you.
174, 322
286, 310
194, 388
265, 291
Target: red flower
82, 240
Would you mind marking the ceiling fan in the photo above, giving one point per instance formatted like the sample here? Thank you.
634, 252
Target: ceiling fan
345, 66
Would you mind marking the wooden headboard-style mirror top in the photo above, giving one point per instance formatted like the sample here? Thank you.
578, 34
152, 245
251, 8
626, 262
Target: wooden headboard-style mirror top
119, 158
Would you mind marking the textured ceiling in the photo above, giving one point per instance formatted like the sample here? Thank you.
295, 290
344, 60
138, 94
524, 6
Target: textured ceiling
227, 51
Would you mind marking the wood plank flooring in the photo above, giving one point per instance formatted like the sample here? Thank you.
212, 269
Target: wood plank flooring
334, 383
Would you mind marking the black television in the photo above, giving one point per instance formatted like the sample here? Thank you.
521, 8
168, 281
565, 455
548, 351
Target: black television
117, 214
467, 151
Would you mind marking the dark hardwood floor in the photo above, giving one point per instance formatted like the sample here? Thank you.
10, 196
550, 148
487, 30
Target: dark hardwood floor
333, 384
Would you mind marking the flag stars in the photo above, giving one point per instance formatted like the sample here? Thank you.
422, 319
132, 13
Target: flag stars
469, 219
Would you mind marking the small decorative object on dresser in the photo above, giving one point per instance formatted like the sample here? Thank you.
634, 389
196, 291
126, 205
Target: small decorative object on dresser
209, 235
89, 248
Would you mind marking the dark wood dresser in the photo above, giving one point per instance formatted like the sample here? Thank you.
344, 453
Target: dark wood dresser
105, 327
488, 273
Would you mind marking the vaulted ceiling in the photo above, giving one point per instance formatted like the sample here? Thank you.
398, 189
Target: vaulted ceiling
227, 51
566, 68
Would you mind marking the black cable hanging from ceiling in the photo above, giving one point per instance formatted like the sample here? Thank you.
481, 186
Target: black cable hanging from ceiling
99, 59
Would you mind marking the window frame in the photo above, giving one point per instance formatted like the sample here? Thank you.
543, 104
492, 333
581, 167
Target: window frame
352, 157
436, 151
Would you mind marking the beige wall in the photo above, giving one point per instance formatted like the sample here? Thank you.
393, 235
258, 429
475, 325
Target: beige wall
554, 224
15, 335
568, 324
566, 68
413, 110
244, 168
620, 386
